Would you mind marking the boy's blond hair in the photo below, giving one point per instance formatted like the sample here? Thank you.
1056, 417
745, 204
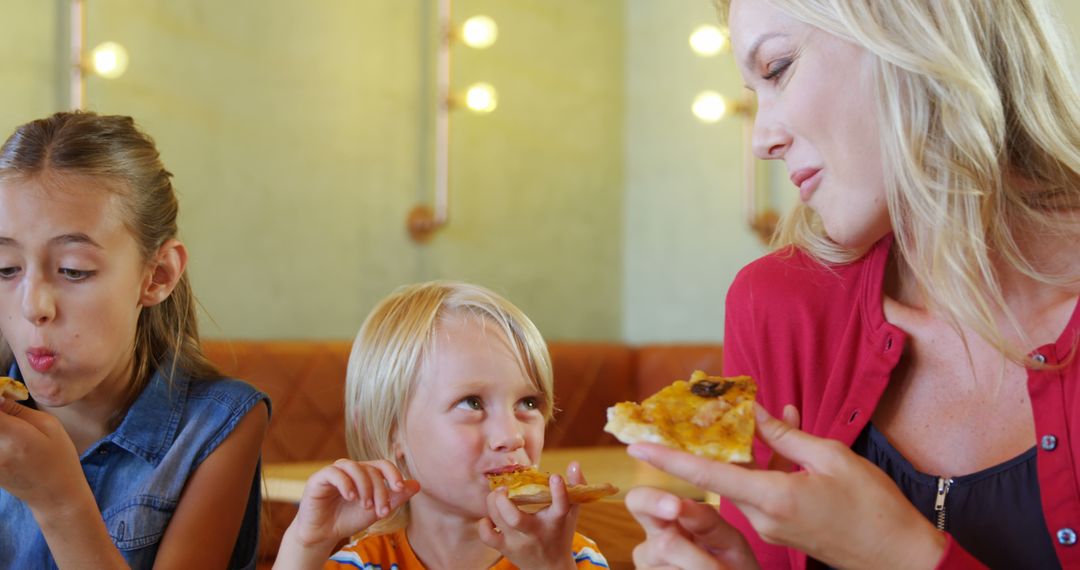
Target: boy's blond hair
390, 347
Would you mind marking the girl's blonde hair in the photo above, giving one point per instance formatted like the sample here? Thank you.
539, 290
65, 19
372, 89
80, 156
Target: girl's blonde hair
113, 149
980, 123
388, 351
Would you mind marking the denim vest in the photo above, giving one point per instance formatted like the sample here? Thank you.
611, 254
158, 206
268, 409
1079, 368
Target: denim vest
138, 472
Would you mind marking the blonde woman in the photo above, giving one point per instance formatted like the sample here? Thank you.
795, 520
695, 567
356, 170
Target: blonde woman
921, 314
447, 382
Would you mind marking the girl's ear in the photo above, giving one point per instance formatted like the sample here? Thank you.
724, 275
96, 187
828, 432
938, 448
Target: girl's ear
163, 273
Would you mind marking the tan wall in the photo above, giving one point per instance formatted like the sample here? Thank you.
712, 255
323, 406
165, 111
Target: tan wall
298, 134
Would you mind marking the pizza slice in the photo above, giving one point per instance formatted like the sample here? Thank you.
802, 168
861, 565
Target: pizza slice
711, 416
529, 486
12, 388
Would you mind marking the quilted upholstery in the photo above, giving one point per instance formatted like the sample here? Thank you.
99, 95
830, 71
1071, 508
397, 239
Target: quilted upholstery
661, 364
306, 384
589, 377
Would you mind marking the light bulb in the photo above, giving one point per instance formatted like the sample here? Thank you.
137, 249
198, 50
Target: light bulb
481, 98
479, 32
709, 107
109, 60
708, 40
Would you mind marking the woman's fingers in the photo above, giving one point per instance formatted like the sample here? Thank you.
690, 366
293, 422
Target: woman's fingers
725, 479
653, 509
778, 462
669, 548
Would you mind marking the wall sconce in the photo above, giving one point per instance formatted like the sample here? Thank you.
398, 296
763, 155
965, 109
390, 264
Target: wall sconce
478, 32
708, 40
712, 107
108, 59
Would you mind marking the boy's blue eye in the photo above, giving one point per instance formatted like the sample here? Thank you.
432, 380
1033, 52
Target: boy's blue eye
472, 403
531, 403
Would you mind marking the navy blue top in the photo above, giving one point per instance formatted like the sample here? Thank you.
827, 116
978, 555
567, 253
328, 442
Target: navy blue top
995, 514
138, 472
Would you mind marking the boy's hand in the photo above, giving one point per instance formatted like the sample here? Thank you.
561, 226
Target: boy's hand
540, 540
347, 497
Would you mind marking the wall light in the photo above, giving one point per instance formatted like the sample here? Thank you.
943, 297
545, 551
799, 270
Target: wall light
712, 107
481, 98
479, 32
109, 59
709, 107
708, 40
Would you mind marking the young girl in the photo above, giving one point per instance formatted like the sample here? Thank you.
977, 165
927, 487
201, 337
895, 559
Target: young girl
446, 382
132, 451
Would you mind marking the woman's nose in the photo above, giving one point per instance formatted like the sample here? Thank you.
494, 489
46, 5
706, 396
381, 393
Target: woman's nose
770, 139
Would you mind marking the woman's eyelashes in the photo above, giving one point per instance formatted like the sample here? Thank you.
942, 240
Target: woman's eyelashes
776, 68
9, 272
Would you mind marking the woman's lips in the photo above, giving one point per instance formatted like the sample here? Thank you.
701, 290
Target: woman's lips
807, 179
41, 360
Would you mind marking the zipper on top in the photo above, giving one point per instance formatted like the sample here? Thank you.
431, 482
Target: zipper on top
943, 486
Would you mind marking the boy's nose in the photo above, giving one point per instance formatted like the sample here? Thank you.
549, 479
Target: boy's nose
506, 435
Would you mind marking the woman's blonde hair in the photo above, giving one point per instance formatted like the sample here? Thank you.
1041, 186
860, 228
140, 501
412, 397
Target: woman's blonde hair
980, 123
113, 149
388, 351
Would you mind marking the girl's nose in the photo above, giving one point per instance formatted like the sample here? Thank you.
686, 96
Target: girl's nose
38, 303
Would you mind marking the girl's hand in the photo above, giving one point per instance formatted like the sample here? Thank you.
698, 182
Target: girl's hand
38, 462
343, 499
837, 509
539, 540
682, 533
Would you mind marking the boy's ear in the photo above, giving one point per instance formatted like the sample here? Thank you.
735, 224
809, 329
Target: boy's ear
163, 273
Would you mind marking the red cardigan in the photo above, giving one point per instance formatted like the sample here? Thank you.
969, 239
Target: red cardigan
817, 337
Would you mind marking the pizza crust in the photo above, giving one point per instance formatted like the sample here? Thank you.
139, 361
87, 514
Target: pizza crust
12, 388
711, 416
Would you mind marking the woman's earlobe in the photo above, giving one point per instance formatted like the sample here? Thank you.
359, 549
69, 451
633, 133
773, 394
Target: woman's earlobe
165, 271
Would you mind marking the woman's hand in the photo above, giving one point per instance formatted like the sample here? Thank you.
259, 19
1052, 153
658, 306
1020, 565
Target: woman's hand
839, 509
341, 500
682, 533
38, 461
539, 540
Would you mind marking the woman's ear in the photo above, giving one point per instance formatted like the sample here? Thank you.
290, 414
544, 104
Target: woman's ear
163, 273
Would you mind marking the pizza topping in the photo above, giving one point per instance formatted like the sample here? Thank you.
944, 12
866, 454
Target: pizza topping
12, 388
710, 389
710, 413
711, 416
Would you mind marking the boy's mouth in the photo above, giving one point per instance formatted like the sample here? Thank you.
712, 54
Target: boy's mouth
506, 469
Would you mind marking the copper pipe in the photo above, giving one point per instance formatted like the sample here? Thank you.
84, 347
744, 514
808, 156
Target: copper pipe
423, 221
77, 87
